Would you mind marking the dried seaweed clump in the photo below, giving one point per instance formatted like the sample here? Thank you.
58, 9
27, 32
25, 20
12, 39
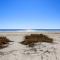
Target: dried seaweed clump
3, 42
35, 38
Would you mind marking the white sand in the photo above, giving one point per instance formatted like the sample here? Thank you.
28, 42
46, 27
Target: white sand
17, 51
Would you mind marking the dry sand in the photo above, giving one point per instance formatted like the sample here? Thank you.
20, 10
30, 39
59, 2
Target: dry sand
17, 51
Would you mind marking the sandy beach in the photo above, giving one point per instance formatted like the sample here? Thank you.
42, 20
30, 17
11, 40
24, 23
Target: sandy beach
17, 51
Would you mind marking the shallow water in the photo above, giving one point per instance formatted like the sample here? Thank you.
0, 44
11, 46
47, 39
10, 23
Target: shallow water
29, 30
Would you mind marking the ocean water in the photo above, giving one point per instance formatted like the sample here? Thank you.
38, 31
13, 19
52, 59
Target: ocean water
29, 30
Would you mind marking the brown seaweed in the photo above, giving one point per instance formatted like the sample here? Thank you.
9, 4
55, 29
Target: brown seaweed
4, 41
35, 38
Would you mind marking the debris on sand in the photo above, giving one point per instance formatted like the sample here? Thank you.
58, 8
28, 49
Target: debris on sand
4, 41
35, 38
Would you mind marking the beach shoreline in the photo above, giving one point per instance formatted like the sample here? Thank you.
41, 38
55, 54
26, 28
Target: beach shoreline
17, 48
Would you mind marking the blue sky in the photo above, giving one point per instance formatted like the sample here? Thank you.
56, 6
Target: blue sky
29, 14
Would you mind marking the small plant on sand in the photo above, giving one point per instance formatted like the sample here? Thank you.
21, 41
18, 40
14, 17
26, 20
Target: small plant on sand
3, 42
35, 38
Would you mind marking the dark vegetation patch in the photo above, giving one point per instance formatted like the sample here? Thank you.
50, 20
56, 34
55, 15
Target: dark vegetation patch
35, 38
4, 42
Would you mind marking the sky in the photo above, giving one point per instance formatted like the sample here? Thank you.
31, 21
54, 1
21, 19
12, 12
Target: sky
29, 14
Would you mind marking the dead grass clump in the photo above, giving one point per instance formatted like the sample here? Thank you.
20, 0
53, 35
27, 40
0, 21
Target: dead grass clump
34, 38
3, 42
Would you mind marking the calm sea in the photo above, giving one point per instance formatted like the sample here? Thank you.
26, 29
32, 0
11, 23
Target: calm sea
29, 30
